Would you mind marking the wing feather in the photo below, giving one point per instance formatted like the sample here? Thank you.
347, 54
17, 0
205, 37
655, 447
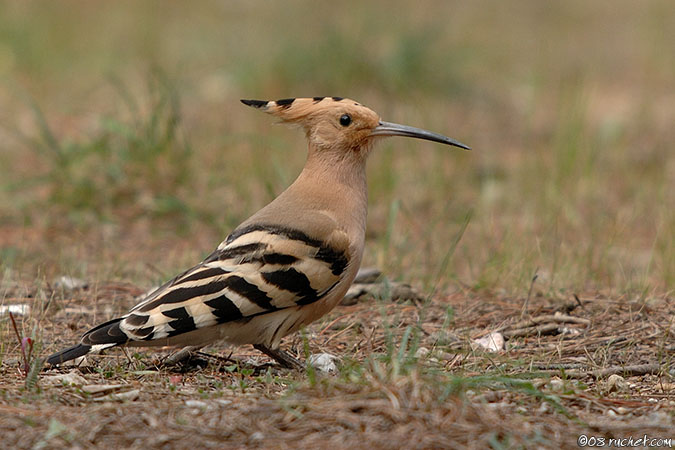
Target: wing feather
257, 270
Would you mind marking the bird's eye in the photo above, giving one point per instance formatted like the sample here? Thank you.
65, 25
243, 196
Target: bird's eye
345, 120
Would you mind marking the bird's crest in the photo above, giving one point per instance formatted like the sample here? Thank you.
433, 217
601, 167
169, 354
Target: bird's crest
329, 122
300, 109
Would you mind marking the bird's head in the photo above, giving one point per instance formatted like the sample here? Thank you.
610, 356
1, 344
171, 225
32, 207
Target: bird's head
342, 125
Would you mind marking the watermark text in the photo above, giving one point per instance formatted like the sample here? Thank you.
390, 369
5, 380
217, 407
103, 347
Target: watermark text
585, 440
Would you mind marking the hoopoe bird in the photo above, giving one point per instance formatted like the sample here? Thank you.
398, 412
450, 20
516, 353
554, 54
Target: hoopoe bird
284, 267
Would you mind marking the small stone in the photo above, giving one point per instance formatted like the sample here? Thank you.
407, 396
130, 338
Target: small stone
98, 389
68, 283
20, 309
616, 383
352, 296
422, 352
324, 362
257, 436
196, 404
493, 342
368, 275
401, 292
369, 282
70, 378
120, 397
556, 384
570, 331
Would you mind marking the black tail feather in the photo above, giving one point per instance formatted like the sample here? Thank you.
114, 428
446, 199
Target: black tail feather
68, 354
106, 335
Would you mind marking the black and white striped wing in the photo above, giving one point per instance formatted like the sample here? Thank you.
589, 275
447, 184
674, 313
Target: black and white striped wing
257, 270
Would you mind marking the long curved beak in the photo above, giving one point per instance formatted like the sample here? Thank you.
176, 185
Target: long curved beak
394, 129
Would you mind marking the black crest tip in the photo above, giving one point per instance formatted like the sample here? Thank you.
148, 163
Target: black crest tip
255, 103
285, 102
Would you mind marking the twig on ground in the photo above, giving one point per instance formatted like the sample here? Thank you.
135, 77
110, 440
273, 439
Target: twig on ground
576, 297
549, 328
558, 318
529, 293
525, 327
634, 370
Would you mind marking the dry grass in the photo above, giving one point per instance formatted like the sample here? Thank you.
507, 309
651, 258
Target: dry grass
408, 378
125, 159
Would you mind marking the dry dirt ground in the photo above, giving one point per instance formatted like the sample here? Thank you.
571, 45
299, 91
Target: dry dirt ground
408, 377
125, 155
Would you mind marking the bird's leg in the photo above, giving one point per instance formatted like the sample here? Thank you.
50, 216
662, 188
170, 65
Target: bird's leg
129, 360
222, 359
182, 355
280, 356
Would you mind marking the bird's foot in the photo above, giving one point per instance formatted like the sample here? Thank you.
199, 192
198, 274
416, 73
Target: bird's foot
182, 355
280, 356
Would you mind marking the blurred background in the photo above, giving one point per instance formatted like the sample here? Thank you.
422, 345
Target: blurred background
125, 153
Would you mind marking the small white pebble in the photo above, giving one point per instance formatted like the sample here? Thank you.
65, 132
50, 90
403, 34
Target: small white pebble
324, 362
120, 397
100, 389
556, 384
571, 331
493, 342
496, 405
68, 283
257, 436
616, 383
196, 404
422, 352
70, 378
20, 309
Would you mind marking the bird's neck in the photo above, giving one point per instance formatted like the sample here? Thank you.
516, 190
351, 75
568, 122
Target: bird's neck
339, 168
335, 181
335, 187
329, 190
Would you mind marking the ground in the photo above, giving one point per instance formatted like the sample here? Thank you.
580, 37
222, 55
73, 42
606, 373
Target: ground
126, 157
408, 376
